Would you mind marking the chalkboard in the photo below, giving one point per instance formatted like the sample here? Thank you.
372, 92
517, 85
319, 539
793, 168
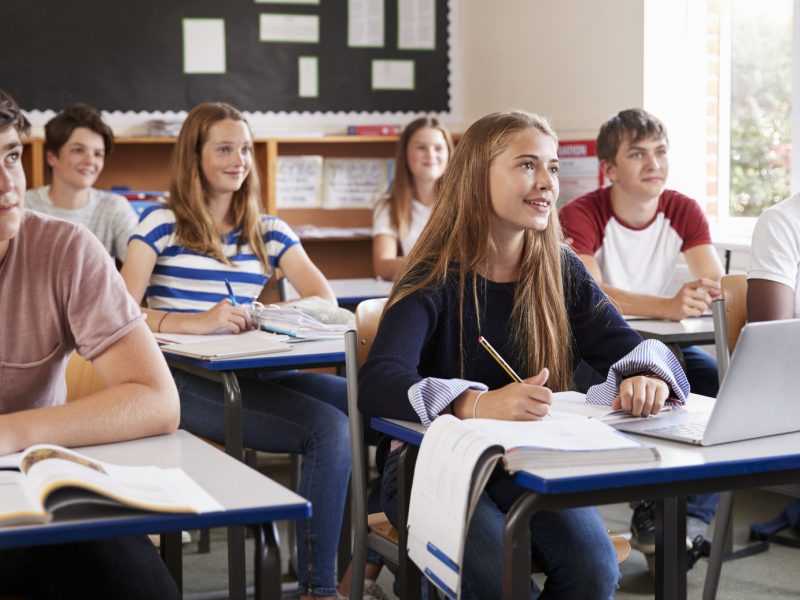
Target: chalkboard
130, 56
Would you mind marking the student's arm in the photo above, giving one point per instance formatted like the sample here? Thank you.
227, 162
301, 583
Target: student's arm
691, 300
605, 341
304, 275
136, 272
391, 385
137, 402
769, 300
385, 262
703, 262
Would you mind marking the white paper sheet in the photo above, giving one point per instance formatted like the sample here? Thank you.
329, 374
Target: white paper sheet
203, 46
416, 24
365, 23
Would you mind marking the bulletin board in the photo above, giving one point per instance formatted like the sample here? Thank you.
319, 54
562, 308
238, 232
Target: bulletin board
293, 56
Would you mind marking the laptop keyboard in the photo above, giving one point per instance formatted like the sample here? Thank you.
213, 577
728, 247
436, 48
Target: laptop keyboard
682, 430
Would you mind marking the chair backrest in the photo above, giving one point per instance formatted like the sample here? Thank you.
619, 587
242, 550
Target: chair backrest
82, 379
730, 315
368, 315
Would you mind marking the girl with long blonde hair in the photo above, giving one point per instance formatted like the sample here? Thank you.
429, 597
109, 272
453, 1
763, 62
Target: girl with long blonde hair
180, 258
399, 216
491, 263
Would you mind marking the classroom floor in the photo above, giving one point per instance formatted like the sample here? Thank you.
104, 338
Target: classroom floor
774, 574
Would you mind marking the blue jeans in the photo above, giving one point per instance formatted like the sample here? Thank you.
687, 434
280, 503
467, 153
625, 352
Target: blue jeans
297, 412
571, 545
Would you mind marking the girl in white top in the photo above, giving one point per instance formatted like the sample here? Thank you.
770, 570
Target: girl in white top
399, 217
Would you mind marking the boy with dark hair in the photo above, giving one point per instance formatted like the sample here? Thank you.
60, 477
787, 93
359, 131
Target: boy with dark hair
76, 144
59, 292
630, 236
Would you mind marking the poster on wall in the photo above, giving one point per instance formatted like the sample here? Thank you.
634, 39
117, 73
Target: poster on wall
580, 169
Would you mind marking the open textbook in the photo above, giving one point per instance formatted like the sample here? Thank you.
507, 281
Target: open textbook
50, 478
457, 457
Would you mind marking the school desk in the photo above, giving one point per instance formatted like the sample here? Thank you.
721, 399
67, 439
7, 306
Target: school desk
312, 354
248, 498
683, 470
692, 330
349, 292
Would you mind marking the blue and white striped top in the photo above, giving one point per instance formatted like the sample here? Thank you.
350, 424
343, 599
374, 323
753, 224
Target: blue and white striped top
185, 281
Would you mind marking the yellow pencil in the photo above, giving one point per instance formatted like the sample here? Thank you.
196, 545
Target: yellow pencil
506, 367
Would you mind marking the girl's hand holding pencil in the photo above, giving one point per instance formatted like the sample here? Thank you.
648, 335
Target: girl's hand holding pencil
528, 400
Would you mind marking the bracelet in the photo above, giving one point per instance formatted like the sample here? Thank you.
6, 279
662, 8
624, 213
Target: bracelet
475, 406
161, 320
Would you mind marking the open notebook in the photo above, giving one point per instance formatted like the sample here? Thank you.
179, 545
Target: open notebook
222, 347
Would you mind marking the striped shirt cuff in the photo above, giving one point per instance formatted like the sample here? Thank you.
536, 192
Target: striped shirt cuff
651, 357
431, 396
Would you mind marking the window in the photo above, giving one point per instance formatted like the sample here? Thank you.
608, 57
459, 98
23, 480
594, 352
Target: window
749, 108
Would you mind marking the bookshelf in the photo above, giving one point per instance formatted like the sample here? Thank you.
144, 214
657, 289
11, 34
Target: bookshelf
143, 163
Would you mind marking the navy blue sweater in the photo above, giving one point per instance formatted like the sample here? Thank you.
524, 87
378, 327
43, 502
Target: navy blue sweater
419, 337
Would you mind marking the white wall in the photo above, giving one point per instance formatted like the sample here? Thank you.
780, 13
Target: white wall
576, 62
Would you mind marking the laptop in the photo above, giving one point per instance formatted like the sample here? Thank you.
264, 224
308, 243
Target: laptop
760, 395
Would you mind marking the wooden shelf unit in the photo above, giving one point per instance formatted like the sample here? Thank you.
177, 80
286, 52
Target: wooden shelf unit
143, 163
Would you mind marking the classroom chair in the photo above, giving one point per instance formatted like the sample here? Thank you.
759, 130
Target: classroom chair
82, 379
374, 530
369, 531
730, 316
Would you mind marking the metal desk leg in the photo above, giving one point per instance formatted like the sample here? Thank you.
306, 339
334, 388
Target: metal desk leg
171, 553
410, 575
234, 443
267, 562
671, 549
517, 548
234, 446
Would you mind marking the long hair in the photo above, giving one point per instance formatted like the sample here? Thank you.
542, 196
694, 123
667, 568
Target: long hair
188, 190
458, 242
402, 192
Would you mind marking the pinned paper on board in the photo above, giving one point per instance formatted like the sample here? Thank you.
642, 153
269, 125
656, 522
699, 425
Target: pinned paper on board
203, 46
365, 23
416, 24
392, 74
289, 29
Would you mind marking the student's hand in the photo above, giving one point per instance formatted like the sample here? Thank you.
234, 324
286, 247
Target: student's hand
224, 317
692, 299
526, 401
641, 395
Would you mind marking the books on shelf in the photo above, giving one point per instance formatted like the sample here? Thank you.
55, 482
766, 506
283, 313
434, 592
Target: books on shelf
47, 479
373, 130
224, 347
457, 457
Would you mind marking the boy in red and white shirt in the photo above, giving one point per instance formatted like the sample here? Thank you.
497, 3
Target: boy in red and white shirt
630, 236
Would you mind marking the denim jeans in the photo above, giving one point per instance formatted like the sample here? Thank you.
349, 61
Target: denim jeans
571, 545
296, 412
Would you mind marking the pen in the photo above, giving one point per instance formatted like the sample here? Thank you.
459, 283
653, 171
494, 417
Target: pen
230, 292
506, 367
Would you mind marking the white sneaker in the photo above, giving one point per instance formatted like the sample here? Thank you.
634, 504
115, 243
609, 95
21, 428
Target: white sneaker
372, 591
